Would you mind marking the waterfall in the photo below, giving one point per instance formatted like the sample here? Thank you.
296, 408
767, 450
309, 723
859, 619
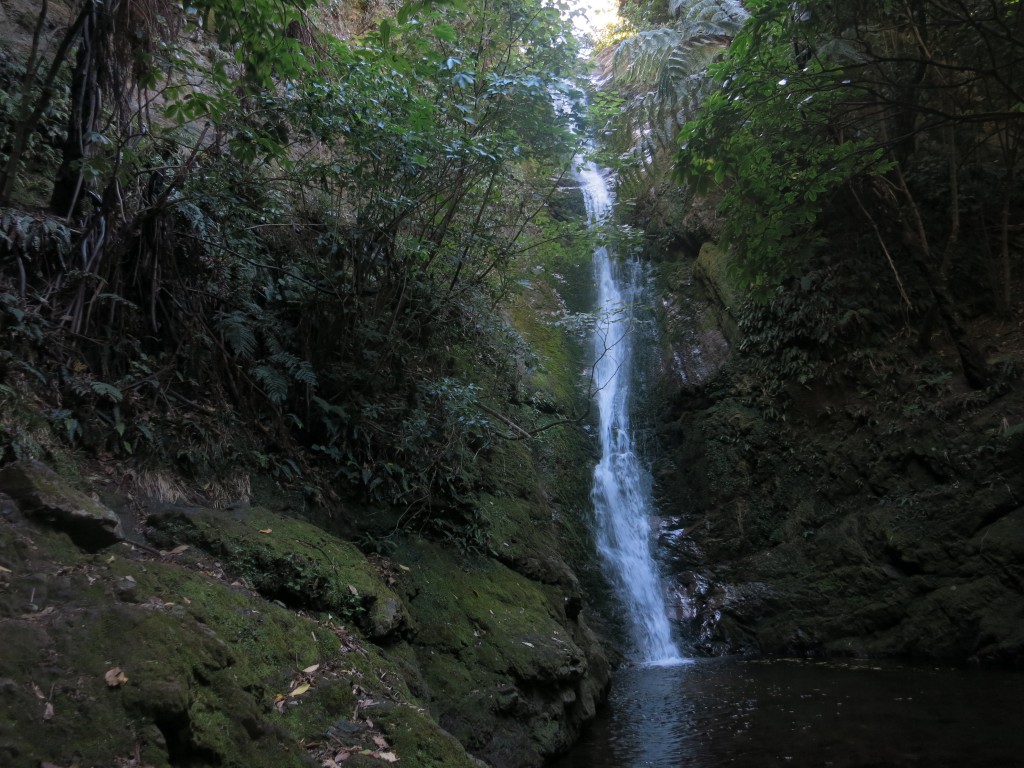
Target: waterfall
622, 485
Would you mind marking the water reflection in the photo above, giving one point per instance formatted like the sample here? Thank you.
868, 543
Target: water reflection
790, 713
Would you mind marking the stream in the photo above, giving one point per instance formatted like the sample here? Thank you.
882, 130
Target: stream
837, 714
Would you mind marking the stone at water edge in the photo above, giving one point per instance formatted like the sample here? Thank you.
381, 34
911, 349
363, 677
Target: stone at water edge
44, 495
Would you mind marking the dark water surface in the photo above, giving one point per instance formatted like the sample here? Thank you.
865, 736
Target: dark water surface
720, 712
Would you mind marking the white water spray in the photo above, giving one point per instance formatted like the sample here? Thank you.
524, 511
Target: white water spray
621, 491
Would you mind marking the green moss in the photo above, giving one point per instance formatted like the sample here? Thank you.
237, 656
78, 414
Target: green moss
260, 632
559, 358
204, 664
714, 267
288, 560
418, 740
492, 649
330, 701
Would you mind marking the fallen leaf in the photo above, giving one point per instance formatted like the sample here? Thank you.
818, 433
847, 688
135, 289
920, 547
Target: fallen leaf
353, 590
405, 567
5, 570
115, 677
299, 690
266, 530
387, 757
39, 694
48, 711
341, 757
381, 742
178, 549
528, 645
310, 670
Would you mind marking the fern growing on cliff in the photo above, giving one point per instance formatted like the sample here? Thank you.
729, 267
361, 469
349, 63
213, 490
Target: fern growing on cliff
662, 74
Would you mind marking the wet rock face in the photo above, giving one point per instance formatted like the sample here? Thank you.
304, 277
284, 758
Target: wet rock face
821, 542
43, 495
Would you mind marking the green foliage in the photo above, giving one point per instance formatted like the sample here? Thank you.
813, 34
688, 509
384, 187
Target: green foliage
309, 228
28, 238
660, 74
809, 330
40, 152
766, 137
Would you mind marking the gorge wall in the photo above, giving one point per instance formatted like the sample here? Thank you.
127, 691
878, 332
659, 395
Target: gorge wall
879, 513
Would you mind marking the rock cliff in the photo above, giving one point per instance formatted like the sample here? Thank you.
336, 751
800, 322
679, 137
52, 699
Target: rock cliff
876, 514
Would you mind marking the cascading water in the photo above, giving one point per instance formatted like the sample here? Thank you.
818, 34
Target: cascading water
621, 490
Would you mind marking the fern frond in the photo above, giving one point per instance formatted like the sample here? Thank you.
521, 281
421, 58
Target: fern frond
640, 58
684, 67
304, 373
236, 330
729, 14
299, 369
274, 383
663, 75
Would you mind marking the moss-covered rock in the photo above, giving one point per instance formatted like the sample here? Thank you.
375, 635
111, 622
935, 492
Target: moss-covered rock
501, 665
288, 560
713, 269
880, 516
236, 638
43, 494
170, 660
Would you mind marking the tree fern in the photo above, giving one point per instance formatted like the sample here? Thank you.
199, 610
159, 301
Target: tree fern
729, 14
663, 74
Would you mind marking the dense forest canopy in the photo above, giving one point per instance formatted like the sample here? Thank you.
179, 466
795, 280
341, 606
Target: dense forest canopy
314, 212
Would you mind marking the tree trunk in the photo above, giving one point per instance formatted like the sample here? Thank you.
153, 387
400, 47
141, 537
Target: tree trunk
85, 98
29, 115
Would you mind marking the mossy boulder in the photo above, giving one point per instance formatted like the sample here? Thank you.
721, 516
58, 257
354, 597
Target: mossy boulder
288, 560
500, 665
43, 494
